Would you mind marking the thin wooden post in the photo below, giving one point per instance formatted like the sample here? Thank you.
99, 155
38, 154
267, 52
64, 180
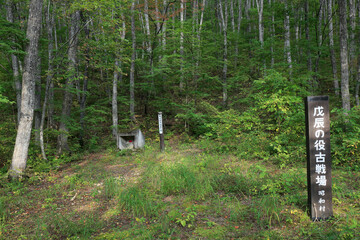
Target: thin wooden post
161, 132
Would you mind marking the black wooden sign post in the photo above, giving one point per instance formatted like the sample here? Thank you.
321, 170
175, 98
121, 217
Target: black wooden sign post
161, 132
318, 157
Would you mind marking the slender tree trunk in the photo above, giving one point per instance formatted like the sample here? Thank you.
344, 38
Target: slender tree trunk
19, 159
115, 116
164, 28
15, 62
238, 32
224, 20
357, 88
49, 26
182, 10
260, 8
67, 103
117, 76
51, 123
307, 35
331, 45
149, 44
37, 110
199, 48
272, 32
345, 95
132, 65
319, 41
247, 15
83, 95
287, 39
352, 47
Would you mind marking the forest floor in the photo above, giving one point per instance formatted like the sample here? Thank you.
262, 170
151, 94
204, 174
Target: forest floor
184, 193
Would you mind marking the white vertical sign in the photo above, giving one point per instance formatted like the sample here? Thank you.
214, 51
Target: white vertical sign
160, 123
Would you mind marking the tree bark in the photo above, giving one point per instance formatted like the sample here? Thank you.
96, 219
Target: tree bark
15, 62
84, 92
132, 65
117, 76
37, 110
331, 46
19, 159
287, 39
345, 95
67, 102
272, 32
182, 9
224, 20
357, 88
260, 8
307, 35
49, 26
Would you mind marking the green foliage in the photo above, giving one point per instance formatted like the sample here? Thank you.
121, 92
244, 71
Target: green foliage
345, 138
12, 38
112, 187
187, 219
137, 202
7, 133
267, 211
178, 179
68, 226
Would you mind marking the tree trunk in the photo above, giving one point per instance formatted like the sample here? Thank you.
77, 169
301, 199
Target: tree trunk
287, 39
37, 110
15, 62
18, 163
352, 47
83, 95
67, 102
182, 9
238, 33
272, 32
224, 20
260, 8
331, 45
132, 65
117, 76
49, 25
357, 88
319, 42
345, 95
307, 35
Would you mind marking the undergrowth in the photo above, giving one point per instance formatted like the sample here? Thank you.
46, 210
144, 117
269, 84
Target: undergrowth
187, 192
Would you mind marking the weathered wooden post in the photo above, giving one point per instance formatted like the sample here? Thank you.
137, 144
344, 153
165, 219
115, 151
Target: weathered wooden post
161, 132
318, 157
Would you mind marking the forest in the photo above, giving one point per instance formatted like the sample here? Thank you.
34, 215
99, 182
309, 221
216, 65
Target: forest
230, 78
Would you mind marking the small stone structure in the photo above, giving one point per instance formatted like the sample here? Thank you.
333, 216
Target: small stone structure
131, 140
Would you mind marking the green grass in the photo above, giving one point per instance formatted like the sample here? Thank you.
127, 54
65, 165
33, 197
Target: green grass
183, 193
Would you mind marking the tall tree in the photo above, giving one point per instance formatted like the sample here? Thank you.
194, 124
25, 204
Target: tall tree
67, 102
49, 27
345, 95
132, 64
224, 21
307, 33
19, 159
331, 46
287, 38
15, 62
260, 10
182, 19
117, 76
